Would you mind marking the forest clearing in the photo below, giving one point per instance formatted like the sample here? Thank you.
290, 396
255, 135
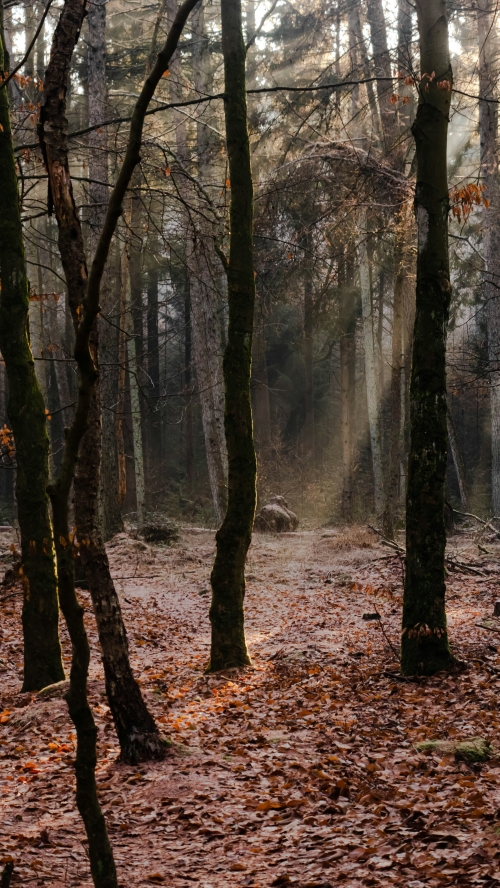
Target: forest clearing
301, 770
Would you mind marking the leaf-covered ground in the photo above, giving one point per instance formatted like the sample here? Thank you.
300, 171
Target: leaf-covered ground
299, 771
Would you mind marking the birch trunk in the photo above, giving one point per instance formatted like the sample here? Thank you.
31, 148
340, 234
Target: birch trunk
370, 363
487, 26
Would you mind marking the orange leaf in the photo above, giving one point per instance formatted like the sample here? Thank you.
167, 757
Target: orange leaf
266, 806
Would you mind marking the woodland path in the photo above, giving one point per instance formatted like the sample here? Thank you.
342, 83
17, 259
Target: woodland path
299, 771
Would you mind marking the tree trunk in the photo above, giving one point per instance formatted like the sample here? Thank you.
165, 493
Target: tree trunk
487, 25
189, 441
262, 414
112, 521
228, 646
122, 378
154, 443
457, 459
405, 66
26, 412
394, 468
137, 733
357, 46
425, 649
370, 365
347, 382
383, 72
309, 430
135, 727
52, 134
205, 285
133, 371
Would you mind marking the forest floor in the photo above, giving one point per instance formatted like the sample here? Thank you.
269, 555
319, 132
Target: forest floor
299, 771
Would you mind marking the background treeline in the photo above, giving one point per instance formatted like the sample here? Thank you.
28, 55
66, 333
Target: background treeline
334, 245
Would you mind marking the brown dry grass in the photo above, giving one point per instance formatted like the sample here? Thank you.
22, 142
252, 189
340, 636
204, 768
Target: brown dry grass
355, 537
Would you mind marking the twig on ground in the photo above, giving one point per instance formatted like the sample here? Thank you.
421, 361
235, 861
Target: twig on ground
11, 594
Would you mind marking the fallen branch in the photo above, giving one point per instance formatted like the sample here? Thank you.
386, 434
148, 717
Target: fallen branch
451, 562
11, 595
484, 625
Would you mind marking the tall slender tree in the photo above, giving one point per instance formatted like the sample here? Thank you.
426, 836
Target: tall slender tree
425, 648
26, 412
228, 647
137, 732
487, 29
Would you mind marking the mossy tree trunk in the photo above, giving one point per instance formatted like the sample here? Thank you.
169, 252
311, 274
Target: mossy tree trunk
425, 649
26, 412
228, 648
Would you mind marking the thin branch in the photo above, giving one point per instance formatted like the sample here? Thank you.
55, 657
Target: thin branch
30, 47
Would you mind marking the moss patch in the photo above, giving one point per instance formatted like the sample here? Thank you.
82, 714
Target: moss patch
476, 750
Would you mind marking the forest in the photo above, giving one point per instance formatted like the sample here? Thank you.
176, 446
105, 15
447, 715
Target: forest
249, 443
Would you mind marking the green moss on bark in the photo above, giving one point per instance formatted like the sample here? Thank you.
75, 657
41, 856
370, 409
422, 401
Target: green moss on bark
228, 648
26, 413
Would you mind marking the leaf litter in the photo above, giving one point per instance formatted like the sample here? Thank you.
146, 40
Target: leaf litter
302, 770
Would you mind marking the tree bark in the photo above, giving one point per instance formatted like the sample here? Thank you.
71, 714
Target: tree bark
370, 366
228, 644
205, 282
347, 382
457, 459
383, 72
262, 413
153, 397
26, 413
112, 521
487, 26
425, 648
135, 402
309, 430
189, 439
137, 733
394, 468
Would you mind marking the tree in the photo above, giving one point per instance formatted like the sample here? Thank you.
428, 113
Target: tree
425, 648
26, 412
487, 28
137, 732
228, 646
